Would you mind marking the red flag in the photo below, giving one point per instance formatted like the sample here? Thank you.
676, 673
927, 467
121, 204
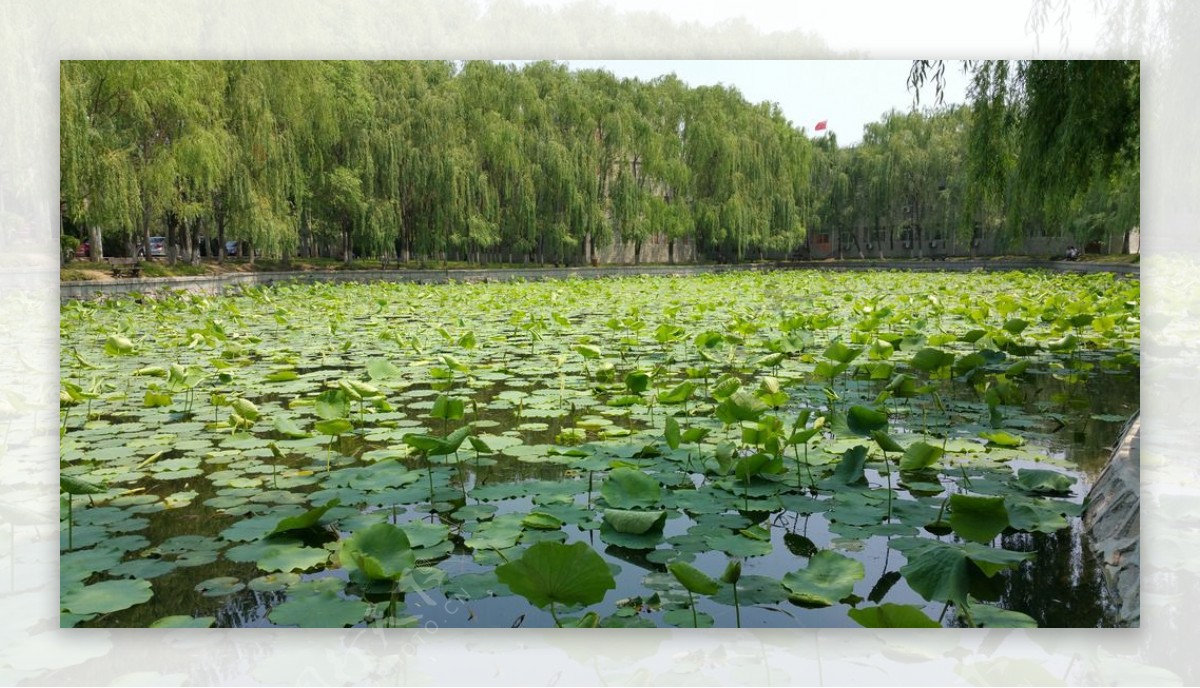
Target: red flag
820, 125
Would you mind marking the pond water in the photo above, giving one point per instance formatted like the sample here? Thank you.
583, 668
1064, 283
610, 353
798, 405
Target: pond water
208, 420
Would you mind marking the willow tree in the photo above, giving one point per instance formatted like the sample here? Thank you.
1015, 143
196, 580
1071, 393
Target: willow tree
98, 182
197, 160
1044, 133
131, 132
274, 116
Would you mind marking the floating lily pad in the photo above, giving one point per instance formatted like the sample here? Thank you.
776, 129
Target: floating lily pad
627, 488
892, 616
1040, 481
979, 519
273, 582
475, 586
321, 610
552, 572
991, 616
634, 522
220, 586
829, 578
682, 618
184, 621
940, 571
106, 597
736, 545
308, 519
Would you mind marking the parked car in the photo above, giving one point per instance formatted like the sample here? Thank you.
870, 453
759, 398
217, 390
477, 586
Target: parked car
231, 248
158, 247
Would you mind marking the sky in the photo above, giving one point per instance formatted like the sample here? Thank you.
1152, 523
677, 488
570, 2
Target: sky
847, 94
886, 28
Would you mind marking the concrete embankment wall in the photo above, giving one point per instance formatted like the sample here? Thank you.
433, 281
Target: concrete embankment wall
1112, 523
217, 283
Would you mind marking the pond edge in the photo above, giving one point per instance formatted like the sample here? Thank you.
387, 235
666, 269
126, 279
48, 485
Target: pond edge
1112, 523
88, 289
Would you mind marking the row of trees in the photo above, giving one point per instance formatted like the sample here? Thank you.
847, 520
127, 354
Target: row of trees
1046, 153
483, 161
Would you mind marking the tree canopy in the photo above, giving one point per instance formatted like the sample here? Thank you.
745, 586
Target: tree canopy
484, 161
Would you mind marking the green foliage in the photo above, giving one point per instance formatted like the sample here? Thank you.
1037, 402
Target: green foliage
796, 469
551, 572
692, 578
380, 552
628, 488
892, 616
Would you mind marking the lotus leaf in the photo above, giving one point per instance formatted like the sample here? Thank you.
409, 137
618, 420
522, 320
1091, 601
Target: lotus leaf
549, 572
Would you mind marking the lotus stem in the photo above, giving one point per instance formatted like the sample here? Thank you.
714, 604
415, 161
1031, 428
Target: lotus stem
737, 609
887, 465
429, 472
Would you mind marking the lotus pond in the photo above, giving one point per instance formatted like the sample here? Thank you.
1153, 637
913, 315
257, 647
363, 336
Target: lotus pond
776, 449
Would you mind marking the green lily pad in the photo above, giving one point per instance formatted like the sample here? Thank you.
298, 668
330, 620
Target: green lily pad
990, 616
184, 621
500, 533
736, 545
682, 618
849, 470
979, 519
829, 578
542, 521
421, 578
752, 590
644, 541
106, 597
273, 582
220, 586
381, 552
308, 519
628, 488
920, 455
863, 421
422, 534
1037, 515
278, 554
892, 616
1000, 438
143, 568
634, 522
940, 571
321, 610
1040, 481
553, 572
692, 578
81, 564
475, 586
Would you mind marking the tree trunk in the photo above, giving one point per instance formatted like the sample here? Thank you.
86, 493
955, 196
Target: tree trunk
198, 247
146, 229
172, 244
95, 243
220, 239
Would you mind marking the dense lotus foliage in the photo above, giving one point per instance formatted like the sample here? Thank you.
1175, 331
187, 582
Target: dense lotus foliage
754, 449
